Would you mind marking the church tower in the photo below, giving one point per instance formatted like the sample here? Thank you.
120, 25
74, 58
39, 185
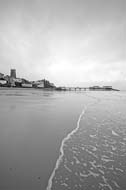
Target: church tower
13, 73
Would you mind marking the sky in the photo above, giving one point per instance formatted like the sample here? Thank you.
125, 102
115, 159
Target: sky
69, 42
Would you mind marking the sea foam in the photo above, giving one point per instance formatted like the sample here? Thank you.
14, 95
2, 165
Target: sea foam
61, 149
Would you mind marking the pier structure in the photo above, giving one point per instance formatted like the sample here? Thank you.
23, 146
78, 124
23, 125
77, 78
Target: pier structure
73, 88
93, 88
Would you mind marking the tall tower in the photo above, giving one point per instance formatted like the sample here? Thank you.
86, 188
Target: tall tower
13, 73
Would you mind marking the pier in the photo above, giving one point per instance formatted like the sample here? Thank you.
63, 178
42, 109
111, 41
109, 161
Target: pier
93, 88
72, 88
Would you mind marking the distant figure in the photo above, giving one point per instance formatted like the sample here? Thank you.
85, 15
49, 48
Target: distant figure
13, 73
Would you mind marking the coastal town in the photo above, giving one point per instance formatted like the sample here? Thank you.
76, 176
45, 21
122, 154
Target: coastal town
13, 81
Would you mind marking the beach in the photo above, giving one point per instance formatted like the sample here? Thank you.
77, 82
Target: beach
62, 140
33, 124
94, 156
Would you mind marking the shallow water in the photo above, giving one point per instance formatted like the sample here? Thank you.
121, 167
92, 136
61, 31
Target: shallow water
33, 124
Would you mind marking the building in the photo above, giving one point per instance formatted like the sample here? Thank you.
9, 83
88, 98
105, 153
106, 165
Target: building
2, 82
12, 82
107, 87
95, 88
47, 84
38, 84
7, 78
41, 85
52, 85
1, 75
26, 85
17, 81
101, 88
13, 73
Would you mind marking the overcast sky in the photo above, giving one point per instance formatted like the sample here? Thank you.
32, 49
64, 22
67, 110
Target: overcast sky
66, 41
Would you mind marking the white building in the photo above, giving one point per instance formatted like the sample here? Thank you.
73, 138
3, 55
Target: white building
28, 85
40, 85
2, 81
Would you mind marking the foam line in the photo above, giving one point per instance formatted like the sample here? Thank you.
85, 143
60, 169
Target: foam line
61, 149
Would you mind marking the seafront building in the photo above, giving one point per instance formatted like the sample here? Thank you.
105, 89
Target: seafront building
42, 84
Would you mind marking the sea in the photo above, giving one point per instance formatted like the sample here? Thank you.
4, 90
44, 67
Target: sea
67, 140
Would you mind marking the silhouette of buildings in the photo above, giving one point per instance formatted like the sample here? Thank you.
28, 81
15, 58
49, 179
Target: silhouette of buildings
42, 84
13, 81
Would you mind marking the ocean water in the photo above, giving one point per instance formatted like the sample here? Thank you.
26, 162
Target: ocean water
62, 140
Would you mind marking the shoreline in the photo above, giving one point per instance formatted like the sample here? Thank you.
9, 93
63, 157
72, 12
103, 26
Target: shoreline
67, 138
94, 157
61, 154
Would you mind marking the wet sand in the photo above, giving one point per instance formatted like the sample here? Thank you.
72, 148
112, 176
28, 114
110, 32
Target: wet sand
93, 157
32, 127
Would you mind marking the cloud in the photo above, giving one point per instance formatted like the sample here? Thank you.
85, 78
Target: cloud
67, 42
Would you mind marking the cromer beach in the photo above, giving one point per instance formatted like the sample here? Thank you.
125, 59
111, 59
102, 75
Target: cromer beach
62, 140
